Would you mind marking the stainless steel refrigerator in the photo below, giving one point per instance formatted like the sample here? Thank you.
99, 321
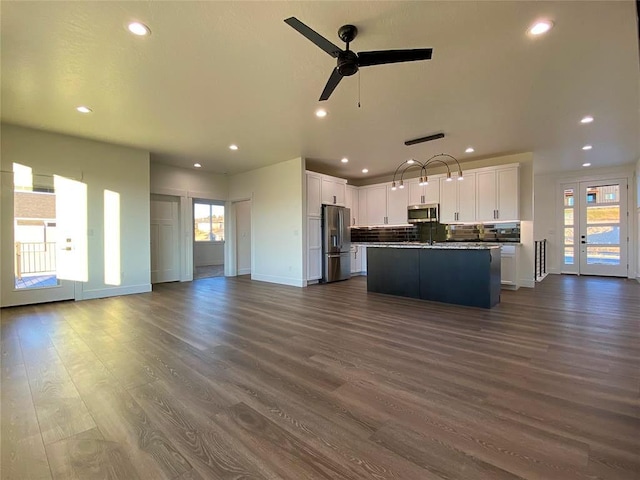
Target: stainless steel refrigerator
336, 241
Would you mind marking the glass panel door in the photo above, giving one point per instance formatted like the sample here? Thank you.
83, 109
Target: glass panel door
603, 228
570, 246
46, 213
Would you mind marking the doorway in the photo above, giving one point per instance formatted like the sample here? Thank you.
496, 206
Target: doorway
208, 238
595, 228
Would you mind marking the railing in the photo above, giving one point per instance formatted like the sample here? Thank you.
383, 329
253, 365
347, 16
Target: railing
541, 260
35, 257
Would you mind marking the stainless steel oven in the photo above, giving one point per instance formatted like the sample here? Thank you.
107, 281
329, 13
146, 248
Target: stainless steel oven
423, 213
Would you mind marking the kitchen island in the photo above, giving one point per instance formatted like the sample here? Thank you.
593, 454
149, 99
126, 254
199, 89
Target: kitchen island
449, 273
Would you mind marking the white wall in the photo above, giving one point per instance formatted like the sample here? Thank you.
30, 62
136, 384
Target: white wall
638, 219
548, 208
207, 253
101, 166
277, 212
184, 182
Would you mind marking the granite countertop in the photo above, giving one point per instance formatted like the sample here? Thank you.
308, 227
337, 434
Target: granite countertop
437, 246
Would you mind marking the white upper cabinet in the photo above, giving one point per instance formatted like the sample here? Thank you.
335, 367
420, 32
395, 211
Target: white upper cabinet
333, 191
351, 203
508, 194
498, 194
397, 203
458, 199
373, 205
314, 196
323, 189
419, 194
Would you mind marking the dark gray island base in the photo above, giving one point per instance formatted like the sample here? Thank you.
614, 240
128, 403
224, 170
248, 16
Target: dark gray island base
463, 276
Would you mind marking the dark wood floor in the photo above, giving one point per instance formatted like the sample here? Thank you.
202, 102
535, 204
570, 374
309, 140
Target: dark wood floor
228, 378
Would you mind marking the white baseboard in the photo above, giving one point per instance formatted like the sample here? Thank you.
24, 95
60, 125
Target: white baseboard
527, 283
244, 271
115, 291
294, 282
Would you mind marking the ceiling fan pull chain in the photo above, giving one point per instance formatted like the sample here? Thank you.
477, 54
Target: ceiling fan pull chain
358, 88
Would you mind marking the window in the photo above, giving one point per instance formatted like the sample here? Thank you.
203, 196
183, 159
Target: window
208, 222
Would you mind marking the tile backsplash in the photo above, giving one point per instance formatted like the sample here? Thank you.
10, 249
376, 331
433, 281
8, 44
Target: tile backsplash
384, 234
498, 232
488, 232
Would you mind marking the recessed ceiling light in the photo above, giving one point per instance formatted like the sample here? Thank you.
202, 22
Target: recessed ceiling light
411, 161
469, 150
540, 27
586, 164
365, 170
233, 147
587, 147
139, 29
587, 119
321, 113
345, 160
197, 165
83, 109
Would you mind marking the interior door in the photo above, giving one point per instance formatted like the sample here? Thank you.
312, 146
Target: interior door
44, 253
595, 228
603, 228
165, 239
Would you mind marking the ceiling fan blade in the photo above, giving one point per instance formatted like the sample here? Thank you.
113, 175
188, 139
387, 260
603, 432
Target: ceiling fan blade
314, 36
381, 57
331, 85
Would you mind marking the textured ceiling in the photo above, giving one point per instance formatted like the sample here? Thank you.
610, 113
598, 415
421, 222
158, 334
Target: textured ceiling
216, 73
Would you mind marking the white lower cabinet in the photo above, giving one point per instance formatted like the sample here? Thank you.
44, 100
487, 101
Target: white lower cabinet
509, 266
314, 248
356, 263
363, 260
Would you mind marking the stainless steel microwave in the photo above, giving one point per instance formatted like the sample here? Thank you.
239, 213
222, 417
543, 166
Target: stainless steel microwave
424, 213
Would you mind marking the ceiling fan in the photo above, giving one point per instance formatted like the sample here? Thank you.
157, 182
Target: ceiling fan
349, 61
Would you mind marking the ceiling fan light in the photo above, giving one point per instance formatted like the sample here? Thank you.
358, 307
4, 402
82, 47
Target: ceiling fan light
411, 161
460, 177
449, 176
401, 184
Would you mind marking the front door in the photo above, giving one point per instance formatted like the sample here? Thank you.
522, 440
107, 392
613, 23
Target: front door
45, 253
595, 228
